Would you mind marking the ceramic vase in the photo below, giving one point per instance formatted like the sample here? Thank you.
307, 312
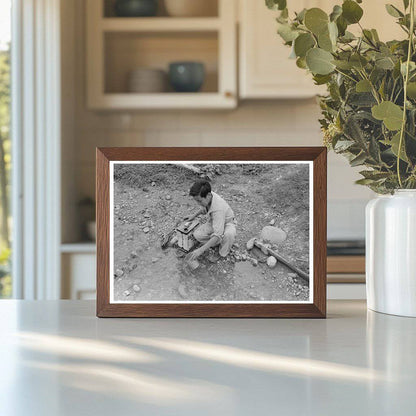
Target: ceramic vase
391, 253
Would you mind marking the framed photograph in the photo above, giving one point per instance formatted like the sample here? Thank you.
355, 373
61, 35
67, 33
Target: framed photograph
211, 232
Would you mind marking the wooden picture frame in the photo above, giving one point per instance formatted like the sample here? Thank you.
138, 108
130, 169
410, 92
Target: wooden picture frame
315, 308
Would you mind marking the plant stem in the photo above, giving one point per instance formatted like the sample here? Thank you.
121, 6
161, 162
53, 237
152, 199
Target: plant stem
406, 79
345, 75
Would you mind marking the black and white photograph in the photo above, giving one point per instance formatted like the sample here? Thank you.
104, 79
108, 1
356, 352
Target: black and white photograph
211, 232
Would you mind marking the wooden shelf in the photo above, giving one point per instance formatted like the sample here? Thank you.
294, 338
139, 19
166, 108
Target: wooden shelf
159, 24
81, 247
116, 46
163, 101
346, 264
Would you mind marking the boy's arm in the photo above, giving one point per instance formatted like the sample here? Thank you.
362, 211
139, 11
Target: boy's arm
212, 242
191, 217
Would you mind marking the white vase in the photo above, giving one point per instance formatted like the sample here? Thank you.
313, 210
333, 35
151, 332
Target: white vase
391, 253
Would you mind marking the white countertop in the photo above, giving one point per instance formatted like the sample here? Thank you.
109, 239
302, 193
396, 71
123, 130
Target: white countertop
58, 359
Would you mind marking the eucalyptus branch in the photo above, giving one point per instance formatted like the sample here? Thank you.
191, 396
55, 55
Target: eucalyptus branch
346, 75
406, 79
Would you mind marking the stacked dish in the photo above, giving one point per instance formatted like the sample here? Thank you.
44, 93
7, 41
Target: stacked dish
147, 80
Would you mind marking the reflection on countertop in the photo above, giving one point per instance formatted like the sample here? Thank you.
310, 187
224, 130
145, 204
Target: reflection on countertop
63, 360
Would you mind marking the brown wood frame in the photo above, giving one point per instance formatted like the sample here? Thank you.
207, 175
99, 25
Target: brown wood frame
317, 309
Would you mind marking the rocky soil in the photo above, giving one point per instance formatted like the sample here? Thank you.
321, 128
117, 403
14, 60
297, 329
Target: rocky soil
150, 199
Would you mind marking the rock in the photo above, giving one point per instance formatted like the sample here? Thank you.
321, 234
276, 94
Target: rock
194, 264
145, 189
146, 215
292, 275
119, 272
272, 234
264, 250
271, 262
243, 257
146, 230
297, 293
153, 183
133, 254
126, 293
250, 244
168, 197
254, 262
236, 245
154, 259
272, 222
136, 288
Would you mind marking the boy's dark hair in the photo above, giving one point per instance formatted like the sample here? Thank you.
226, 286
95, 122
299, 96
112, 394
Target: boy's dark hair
200, 187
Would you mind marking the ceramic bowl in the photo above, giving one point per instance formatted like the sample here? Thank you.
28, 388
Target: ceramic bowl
186, 76
135, 8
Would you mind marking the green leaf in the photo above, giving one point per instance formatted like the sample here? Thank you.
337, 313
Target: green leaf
374, 175
321, 79
385, 63
336, 12
393, 11
358, 160
391, 114
316, 20
286, 32
325, 43
406, 4
411, 90
363, 86
364, 181
394, 145
342, 25
303, 43
412, 67
319, 61
374, 150
343, 145
301, 15
358, 61
276, 4
343, 65
301, 63
351, 11
347, 37
375, 35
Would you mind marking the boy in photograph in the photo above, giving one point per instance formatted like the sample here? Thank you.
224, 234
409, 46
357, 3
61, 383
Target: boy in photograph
220, 229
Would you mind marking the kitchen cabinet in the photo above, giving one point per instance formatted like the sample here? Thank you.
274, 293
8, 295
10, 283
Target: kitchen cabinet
116, 46
265, 70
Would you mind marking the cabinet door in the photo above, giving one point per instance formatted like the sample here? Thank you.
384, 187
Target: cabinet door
265, 68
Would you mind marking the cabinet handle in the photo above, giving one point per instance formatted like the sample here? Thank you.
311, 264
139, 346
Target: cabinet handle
228, 94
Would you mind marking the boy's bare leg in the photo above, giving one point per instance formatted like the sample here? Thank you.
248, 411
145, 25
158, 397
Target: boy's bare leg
227, 240
203, 233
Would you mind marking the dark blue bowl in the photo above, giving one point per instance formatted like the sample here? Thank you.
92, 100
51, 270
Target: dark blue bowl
186, 76
136, 8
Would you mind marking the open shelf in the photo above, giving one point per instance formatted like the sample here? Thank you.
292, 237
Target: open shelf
116, 46
160, 24
127, 51
108, 9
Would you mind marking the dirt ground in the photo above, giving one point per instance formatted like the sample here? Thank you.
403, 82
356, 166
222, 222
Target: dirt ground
150, 199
